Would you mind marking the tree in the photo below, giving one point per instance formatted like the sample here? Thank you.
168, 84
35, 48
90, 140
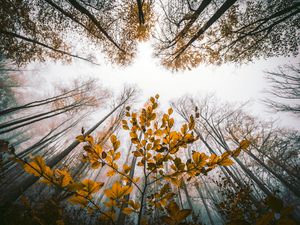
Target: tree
68, 101
235, 32
13, 193
220, 127
40, 29
285, 86
156, 143
7, 83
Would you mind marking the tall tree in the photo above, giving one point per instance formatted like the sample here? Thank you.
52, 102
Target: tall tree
285, 89
13, 193
235, 32
41, 29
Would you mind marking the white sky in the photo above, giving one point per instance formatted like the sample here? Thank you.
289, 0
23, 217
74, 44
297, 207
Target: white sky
229, 82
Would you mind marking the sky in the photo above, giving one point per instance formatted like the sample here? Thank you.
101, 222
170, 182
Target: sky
233, 83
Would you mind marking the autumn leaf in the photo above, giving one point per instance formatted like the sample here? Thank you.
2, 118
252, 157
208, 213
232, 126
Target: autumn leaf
244, 144
64, 177
134, 205
80, 138
117, 156
117, 191
199, 158
113, 138
213, 159
126, 168
175, 214
75, 186
38, 167
77, 199
127, 210
95, 165
92, 186
225, 162
89, 139
111, 173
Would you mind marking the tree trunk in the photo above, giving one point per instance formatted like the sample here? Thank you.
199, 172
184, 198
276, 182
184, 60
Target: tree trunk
14, 193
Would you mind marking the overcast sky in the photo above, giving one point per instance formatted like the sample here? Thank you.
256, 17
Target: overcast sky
228, 82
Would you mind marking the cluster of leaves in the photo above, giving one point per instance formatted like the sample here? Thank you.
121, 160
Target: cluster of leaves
276, 213
156, 144
239, 208
46, 211
236, 206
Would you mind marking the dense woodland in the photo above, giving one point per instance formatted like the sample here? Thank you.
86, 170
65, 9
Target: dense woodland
84, 154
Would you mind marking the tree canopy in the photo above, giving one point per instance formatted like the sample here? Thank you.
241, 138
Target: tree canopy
184, 33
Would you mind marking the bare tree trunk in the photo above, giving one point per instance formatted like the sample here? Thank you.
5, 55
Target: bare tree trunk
36, 42
13, 194
205, 204
42, 102
84, 11
188, 198
226, 5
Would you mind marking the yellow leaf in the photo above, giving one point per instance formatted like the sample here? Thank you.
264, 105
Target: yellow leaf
171, 122
116, 145
199, 159
184, 129
182, 214
236, 152
76, 199
113, 138
172, 208
75, 186
110, 173
136, 179
152, 99
80, 138
110, 203
92, 186
117, 191
64, 177
37, 167
98, 149
225, 162
213, 159
191, 123
158, 132
95, 165
137, 153
126, 168
140, 164
134, 205
133, 135
176, 215
244, 144
170, 111
90, 139
127, 210
117, 156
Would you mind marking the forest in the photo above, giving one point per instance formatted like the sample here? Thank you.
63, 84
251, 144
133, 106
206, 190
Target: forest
145, 112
